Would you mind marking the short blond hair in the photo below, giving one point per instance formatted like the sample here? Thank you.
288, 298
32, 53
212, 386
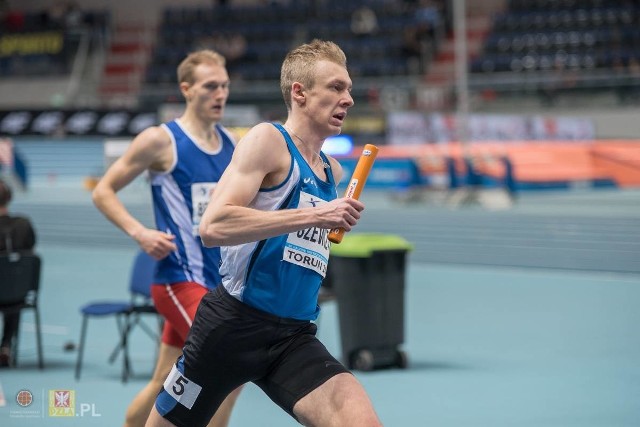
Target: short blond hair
188, 64
298, 65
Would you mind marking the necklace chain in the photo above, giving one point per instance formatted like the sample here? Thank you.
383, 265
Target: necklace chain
319, 158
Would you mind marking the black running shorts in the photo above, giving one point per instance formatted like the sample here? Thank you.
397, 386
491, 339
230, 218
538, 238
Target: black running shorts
231, 343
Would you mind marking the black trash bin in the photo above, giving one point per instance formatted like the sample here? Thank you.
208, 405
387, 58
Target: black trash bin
367, 274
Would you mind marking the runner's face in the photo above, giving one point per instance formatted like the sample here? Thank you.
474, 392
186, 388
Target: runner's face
209, 91
330, 97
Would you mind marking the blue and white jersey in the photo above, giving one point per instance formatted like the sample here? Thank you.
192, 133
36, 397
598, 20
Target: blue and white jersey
180, 197
282, 275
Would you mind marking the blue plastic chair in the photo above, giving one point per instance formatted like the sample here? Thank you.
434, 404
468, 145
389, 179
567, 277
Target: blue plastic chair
127, 313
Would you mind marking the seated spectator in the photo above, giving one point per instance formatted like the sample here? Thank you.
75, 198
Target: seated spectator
412, 49
236, 47
64, 14
233, 46
55, 15
428, 17
16, 235
364, 21
74, 16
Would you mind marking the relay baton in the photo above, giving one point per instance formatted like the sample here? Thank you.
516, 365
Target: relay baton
358, 179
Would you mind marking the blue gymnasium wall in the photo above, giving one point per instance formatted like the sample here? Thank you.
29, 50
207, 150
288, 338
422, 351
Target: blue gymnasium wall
399, 174
73, 159
61, 159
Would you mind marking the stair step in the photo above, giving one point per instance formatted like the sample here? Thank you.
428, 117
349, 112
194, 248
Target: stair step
478, 23
473, 45
126, 68
446, 56
129, 47
133, 34
439, 79
442, 67
121, 79
137, 58
122, 89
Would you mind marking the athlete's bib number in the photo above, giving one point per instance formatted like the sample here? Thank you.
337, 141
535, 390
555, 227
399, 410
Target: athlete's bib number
200, 196
309, 248
183, 390
178, 388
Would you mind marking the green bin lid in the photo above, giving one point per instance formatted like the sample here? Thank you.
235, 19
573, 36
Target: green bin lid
362, 245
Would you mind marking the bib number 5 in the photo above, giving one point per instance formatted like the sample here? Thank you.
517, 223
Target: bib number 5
181, 388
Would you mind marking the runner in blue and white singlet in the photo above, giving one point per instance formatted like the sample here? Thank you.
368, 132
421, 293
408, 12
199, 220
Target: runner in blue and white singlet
282, 275
180, 197
185, 160
271, 214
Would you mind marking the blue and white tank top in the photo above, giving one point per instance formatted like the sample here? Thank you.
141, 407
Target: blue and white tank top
282, 275
180, 197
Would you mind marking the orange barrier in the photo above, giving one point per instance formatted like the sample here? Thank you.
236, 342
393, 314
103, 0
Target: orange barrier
533, 161
621, 159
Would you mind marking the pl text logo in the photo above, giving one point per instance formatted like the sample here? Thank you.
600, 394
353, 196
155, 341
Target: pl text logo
62, 403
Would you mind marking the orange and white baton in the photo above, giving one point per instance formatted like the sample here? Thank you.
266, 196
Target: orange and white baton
356, 184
